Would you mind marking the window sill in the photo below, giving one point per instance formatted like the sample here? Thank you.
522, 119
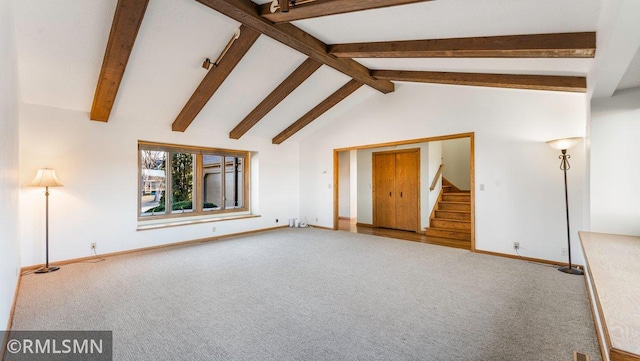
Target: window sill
167, 224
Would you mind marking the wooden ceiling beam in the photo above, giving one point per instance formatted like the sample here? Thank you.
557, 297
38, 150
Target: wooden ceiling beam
532, 82
320, 109
214, 78
294, 80
320, 8
559, 45
124, 30
246, 12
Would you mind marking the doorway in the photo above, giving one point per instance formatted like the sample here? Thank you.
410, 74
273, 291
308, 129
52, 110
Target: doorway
359, 161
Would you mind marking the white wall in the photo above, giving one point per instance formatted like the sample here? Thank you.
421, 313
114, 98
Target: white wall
615, 167
353, 184
9, 188
344, 196
365, 180
523, 199
97, 163
365, 189
456, 154
435, 159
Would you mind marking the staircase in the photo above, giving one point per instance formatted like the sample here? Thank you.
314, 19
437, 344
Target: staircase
451, 218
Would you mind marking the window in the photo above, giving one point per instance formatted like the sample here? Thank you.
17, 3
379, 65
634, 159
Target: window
179, 180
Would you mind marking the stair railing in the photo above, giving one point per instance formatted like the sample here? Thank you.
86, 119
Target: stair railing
437, 177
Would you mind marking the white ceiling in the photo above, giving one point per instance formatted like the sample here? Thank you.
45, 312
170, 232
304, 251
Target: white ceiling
456, 18
61, 44
631, 78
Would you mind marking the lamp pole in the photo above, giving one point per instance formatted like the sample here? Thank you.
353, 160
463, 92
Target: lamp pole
564, 165
46, 225
46, 268
562, 145
46, 178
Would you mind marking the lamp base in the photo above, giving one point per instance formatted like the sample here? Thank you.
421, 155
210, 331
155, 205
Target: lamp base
47, 269
571, 270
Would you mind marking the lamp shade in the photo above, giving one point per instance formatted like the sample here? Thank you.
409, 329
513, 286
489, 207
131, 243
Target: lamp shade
45, 178
564, 143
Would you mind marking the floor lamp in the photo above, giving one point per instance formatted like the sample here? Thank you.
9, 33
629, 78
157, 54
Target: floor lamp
46, 178
562, 145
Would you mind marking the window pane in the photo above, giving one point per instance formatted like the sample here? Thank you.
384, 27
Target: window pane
152, 182
212, 182
234, 182
182, 165
172, 178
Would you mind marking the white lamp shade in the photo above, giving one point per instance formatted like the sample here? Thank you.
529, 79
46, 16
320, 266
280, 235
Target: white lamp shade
45, 178
564, 143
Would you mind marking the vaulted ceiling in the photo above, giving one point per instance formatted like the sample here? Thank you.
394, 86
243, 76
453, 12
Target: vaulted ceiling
285, 70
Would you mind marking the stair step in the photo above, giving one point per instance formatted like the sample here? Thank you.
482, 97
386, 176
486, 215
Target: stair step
451, 224
457, 243
456, 197
454, 206
457, 215
448, 233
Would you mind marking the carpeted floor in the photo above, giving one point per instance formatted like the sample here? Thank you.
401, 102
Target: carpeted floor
312, 294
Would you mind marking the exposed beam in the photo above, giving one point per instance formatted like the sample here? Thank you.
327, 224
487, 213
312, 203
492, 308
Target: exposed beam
320, 109
320, 8
214, 78
124, 30
534, 82
294, 80
561, 45
246, 12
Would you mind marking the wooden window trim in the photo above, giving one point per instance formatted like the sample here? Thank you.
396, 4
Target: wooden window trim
197, 183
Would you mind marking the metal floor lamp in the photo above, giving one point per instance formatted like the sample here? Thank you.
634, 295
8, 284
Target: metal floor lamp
562, 145
46, 178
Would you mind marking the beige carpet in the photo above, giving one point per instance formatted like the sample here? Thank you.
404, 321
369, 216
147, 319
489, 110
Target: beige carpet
311, 294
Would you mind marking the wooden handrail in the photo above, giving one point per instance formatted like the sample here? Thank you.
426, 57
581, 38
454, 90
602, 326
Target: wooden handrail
435, 179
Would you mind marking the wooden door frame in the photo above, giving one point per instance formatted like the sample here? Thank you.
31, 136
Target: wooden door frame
373, 177
471, 136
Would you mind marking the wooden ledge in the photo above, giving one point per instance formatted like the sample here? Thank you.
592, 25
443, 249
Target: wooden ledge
613, 279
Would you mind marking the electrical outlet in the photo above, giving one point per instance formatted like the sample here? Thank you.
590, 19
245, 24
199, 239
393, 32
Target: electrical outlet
316, 219
516, 245
213, 229
93, 246
564, 252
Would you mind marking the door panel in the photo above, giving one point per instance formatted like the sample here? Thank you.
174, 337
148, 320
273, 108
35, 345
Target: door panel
407, 186
384, 199
396, 185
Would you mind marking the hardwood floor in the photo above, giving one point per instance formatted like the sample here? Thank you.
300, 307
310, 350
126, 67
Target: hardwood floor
350, 225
